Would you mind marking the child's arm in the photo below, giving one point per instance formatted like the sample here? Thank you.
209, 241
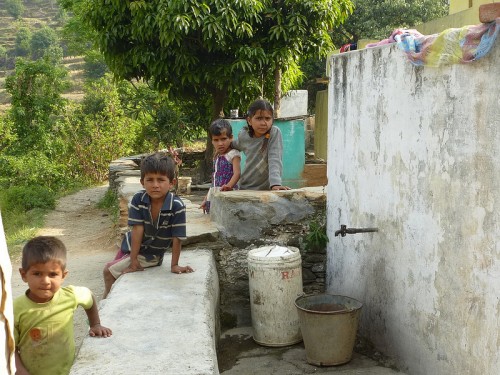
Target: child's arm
275, 155
176, 253
203, 205
236, 174
96, 329
20, 369
136, 239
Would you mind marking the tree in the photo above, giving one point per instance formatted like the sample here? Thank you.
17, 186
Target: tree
15, 8
41, 40
218, 48
226, 51
36, 88
3, 56
376, 19
22, 44
98, 131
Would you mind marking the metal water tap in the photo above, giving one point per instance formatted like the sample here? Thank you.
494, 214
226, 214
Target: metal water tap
344, 230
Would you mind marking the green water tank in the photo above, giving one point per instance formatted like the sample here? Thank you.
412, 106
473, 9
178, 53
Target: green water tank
294, 152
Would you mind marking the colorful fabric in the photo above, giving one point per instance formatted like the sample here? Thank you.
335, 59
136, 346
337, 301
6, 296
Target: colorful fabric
452, 46
393, 36
44, 331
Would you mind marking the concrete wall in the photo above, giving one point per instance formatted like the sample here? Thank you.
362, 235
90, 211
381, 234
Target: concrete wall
457, 6
415, 151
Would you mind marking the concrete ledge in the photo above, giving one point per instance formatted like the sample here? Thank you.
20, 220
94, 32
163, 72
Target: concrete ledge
245, 214
162, 323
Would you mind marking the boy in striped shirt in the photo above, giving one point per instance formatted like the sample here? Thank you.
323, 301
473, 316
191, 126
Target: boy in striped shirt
158, 220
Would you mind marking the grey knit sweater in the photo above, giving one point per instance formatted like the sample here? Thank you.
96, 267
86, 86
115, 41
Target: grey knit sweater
262, 169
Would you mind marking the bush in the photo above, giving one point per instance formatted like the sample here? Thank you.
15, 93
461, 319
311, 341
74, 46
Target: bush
15, 8
95, 67
25, 198
22, 44
33, 169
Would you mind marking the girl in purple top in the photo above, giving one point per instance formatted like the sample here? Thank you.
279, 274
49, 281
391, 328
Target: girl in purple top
226, 161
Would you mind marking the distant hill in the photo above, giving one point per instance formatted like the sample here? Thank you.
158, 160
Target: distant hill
37, 13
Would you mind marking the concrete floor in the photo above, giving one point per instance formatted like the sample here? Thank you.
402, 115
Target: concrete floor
238, 354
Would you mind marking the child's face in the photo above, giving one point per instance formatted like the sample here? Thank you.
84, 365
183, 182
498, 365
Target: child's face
221, 142
157, 185
261, 122
44, 280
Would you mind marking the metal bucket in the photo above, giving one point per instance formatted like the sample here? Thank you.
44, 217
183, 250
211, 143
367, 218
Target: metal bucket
328, 324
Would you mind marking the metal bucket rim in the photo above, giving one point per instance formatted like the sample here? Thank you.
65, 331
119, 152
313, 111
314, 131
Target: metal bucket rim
346, 311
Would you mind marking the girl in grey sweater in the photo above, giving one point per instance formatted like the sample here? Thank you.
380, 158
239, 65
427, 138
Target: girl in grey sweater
262, 144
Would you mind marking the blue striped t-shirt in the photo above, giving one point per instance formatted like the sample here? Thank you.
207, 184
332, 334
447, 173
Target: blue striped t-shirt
157, 236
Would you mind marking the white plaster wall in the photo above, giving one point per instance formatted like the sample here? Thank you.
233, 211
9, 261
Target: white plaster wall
415, 151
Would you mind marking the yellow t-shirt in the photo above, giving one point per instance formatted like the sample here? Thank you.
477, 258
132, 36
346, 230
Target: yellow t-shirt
44, 331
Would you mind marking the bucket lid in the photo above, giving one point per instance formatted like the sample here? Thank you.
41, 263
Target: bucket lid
274, 252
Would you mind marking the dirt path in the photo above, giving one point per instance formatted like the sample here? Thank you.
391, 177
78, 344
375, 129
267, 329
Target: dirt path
89, 236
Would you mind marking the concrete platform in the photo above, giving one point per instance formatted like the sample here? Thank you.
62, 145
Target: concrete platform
163, 323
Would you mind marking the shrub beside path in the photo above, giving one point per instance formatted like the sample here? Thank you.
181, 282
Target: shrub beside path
89, 235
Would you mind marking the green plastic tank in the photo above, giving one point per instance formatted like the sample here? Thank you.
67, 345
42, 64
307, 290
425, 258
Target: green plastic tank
294, 153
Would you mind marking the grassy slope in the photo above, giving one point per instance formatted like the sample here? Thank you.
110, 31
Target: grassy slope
37, 13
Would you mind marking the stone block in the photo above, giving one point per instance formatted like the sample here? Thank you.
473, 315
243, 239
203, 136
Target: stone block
489, 12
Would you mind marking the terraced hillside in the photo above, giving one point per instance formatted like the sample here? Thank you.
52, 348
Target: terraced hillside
37, 13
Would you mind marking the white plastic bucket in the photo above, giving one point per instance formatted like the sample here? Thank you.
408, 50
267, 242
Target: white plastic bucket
275, 282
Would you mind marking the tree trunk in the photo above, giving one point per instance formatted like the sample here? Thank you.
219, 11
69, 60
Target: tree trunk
277, 90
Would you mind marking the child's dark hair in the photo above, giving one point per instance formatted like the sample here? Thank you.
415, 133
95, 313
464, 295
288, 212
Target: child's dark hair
43, 249
220, 125
158, 163
259, 105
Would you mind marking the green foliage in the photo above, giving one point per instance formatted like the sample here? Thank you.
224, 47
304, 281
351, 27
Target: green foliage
76, 36
376, 19
22, 44
54, 55
3, 57
166, 122
98, 131
15, 8
317, 238
110, 203
209, 48
7, 135
32, 169
41, 40
36, 88
25, 198
95, 67
20, 226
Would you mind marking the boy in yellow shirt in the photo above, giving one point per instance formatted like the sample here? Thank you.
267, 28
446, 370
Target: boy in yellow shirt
43, 316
